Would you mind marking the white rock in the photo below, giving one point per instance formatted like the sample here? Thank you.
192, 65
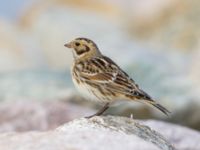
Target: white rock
99, 133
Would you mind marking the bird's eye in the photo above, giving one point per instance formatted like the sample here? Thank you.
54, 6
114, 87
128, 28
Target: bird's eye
77, 44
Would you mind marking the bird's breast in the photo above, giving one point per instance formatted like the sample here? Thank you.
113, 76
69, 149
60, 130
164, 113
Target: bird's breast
84, 89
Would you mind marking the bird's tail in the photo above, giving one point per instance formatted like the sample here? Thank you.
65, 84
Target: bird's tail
158, 106
142, 96
148, 100
161, 108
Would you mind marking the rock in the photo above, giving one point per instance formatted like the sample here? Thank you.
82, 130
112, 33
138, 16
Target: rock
96, 133
33, 115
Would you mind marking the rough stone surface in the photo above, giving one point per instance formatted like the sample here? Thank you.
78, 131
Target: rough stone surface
122, 126
100, 133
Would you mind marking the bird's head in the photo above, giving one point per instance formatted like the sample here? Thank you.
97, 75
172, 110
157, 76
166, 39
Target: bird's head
83, 48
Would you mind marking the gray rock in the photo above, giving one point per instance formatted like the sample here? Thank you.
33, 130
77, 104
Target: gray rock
99, 133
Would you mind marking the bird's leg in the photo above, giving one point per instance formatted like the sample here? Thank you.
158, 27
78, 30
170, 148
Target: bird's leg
100, 112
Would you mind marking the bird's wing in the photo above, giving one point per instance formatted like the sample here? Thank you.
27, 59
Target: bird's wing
104, 72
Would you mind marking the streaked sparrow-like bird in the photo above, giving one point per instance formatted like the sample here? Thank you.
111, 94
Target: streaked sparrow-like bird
100, 79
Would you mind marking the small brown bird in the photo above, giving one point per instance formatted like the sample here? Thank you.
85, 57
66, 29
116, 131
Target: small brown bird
100, 79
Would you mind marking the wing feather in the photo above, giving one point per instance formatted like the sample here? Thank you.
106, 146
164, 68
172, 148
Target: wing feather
105, 73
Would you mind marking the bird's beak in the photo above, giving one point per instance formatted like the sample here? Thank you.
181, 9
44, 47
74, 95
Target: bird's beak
68, 45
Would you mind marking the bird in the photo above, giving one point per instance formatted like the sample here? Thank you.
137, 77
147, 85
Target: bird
98, 78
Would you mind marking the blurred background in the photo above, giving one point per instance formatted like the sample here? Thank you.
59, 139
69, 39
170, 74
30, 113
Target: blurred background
156, 41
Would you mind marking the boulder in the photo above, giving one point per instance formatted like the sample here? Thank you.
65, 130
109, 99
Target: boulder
105, 133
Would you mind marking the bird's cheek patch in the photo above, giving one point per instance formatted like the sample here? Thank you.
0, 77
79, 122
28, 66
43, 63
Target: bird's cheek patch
80, 52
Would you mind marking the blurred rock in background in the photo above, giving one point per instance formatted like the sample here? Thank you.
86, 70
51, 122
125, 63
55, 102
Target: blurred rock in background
168, 24
156, 42
23, 115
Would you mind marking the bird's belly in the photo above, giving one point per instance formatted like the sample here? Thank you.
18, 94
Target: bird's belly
90, 93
